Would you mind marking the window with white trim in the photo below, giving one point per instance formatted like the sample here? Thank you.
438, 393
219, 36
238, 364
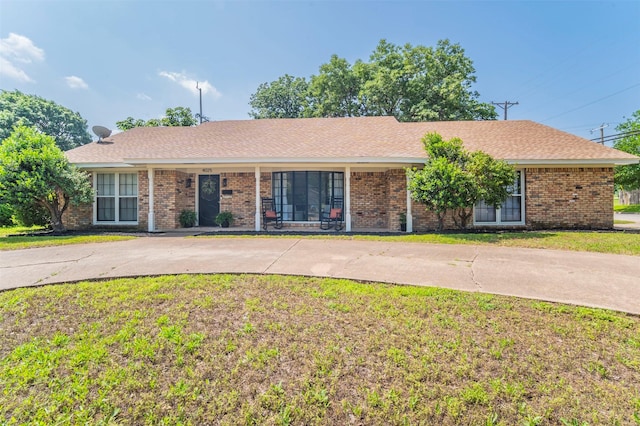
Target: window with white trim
510, 213
116, 197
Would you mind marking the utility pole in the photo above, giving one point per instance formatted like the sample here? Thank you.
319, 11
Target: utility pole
601, 128
505, 106
200, 90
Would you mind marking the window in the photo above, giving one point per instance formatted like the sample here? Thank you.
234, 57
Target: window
510, 213
116, 197
301, 196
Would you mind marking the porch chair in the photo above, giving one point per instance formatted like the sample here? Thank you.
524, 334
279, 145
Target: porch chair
270, 214
334, 217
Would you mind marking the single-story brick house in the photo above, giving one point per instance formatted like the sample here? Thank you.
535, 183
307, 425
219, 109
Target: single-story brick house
145, 177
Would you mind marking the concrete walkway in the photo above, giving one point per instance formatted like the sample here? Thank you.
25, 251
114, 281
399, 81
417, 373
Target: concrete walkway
589, 279
634, 218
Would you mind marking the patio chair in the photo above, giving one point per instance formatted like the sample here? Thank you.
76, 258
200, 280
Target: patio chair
334, 218
270, 214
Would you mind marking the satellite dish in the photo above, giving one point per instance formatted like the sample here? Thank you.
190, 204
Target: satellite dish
101, 131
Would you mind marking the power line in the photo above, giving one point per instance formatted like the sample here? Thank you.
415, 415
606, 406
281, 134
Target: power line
617, 136
592, 102
505, 106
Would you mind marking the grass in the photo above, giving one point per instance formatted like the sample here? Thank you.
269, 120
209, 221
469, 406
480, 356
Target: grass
599, 242
631, 208
9, 241
222, 349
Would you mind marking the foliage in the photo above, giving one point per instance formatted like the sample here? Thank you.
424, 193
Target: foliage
283, 98
260, 349
68, 128
412, 83
455, 180
174, 117
6, 214
224, 219
628, 177
34, 172
187, 218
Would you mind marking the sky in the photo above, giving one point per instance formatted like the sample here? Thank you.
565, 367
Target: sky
572, 65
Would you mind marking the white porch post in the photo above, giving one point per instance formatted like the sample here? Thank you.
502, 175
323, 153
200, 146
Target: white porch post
258, 206
409, 215
347, 197
151, 225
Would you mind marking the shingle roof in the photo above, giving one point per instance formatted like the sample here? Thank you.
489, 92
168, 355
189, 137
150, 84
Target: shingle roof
328, 139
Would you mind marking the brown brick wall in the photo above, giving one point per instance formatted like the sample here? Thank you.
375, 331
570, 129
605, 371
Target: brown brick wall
569, 197
242, 202
554, 197
369, 200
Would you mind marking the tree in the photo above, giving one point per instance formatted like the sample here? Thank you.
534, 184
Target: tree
68, 128
628, 177
178, 116
455, 180
411, 83
335, 92
284, 98
34, 173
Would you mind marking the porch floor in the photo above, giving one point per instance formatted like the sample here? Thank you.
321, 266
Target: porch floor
203, 230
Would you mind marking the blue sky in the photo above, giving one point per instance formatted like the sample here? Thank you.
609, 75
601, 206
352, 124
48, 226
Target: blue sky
571, 65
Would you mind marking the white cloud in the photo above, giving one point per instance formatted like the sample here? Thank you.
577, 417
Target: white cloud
18, 49
190, 83
11, 71
76, 82
143, 97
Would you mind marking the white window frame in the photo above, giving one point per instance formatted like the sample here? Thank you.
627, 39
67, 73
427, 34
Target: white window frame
117, 197
498, 221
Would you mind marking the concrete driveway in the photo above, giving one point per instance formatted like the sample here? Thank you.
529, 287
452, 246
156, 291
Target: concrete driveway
589, 279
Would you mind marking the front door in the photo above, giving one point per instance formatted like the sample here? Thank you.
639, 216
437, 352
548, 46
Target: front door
208, 199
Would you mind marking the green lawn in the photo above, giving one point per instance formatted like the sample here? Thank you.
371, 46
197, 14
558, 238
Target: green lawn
599, 242
8, 240
631, 208
228, 349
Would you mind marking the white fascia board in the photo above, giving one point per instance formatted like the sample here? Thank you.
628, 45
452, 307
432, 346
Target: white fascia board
576, 163
103, 165
325, 160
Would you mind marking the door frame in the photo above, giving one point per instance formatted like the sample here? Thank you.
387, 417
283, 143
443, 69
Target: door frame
198, 194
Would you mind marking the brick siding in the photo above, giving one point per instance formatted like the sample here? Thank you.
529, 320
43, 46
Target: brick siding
554, 198
569, 197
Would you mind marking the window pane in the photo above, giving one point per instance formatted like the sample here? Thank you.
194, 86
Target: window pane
303, 195
106, 184
510, 211
106, 208
485, 213
128, 184
515, 189
128, 209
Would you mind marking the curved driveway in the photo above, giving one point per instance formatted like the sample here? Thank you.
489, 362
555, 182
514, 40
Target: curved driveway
590, 279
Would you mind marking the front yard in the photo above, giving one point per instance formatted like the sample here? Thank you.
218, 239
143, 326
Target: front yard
221, 349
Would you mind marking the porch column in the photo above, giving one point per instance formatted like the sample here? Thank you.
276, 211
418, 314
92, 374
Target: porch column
409, 216
347, 197
151, 225
258, 206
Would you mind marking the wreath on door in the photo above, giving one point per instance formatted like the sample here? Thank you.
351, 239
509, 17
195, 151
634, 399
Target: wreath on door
208, 189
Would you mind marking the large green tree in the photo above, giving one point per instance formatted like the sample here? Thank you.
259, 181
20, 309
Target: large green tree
284, 98
174, 117
35, 174
628, 177
454, 180
68, 128
412, 83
